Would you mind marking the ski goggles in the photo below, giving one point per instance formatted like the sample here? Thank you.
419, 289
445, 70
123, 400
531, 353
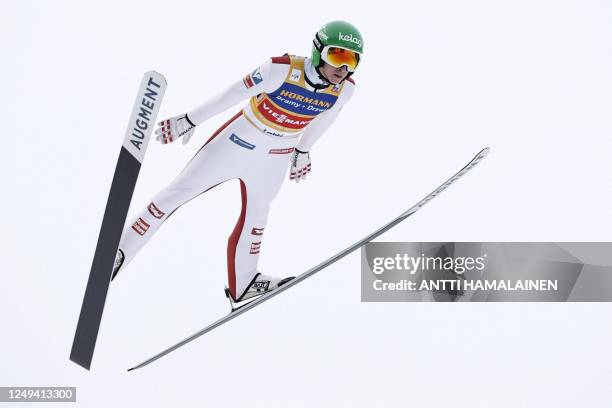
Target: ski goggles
338, 57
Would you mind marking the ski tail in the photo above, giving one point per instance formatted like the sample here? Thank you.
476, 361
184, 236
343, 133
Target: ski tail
142, 122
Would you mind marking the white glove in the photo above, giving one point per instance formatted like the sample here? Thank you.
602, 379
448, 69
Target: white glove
171, 129
300, 165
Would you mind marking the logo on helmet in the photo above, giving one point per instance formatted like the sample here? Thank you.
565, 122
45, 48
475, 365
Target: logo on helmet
323, 35
349, 38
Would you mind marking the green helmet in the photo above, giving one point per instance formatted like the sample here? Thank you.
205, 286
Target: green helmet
338, 34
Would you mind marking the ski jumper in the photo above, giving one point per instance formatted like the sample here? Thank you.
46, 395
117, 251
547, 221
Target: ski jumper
289, 107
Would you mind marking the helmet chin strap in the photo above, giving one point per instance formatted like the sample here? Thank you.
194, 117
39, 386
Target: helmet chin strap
318, 82
326, 81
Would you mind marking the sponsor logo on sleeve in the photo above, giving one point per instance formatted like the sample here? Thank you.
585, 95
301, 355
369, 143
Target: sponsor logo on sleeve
256, 76
156, 212
140, 226
241, 143
281, 151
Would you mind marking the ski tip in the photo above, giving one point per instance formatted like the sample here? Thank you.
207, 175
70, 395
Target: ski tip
131, 369
484, 151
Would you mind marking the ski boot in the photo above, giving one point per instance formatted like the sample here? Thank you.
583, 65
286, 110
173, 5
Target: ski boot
260, 285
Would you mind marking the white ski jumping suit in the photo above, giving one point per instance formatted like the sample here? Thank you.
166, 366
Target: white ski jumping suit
289, 107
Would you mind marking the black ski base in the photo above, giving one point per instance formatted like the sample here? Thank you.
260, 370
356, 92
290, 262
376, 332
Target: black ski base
117, 205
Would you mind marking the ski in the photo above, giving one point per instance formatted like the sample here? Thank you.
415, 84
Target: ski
242, 309
140, 126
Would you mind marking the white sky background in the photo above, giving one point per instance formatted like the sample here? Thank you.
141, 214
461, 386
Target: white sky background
439, 81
